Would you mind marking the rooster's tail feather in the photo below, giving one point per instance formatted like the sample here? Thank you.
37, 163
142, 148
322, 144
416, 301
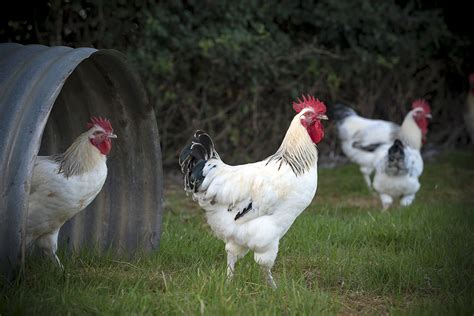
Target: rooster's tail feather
340, 111
193, 159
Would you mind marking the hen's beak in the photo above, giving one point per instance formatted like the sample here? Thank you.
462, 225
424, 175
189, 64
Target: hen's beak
112, 136
428, 116
322, 117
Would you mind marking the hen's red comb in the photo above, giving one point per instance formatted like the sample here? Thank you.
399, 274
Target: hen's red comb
309, 102
102, 122
421, 103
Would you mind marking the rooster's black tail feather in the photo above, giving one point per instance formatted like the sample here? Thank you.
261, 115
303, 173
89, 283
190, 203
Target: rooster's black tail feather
193, 159
339, 111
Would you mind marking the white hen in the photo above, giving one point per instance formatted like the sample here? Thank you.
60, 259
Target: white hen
64, 184
251, 206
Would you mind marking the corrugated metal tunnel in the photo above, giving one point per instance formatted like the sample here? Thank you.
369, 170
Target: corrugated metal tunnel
47, 95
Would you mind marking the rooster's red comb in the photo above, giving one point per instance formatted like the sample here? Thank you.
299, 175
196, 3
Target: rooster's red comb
102, 122
421, 103
309, 102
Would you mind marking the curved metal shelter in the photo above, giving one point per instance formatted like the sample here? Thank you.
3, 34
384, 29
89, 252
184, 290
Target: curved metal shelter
47, 95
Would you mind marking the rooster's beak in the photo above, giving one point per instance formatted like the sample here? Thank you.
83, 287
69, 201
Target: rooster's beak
322, 117
428, 116
112, 136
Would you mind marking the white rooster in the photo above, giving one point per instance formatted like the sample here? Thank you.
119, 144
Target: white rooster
361, 137
251, 206
63, 185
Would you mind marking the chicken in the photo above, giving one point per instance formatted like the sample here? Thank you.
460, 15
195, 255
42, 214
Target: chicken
252, 206
469, 115
361, 137
398, 168
64, 184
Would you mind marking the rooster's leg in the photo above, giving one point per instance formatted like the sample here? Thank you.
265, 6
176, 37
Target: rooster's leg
57, 261
366, 172
266, 260
270, 280
386, 201
234, 253
407, 200
231, 260
49, 244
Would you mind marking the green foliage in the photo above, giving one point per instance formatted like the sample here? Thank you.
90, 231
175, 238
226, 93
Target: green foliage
233, 68
341, 256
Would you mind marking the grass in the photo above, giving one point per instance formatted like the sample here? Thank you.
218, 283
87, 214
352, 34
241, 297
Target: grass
341, 256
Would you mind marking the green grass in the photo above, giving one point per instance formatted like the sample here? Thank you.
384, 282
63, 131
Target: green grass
341, 256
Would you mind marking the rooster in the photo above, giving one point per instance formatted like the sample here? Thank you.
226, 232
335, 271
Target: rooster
362, 137
252, 206
64, 184
398, 167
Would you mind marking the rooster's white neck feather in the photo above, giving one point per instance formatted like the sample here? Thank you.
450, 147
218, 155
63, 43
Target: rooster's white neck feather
410, 133
80, 157
297, 148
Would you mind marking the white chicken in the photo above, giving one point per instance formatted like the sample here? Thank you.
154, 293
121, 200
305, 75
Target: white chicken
361, 137
398, 167
251, 206
64, 184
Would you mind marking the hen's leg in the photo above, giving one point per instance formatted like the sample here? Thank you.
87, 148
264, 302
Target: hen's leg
366, 172
234, 253
266, 259
387, 200
49, 244
407, 200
